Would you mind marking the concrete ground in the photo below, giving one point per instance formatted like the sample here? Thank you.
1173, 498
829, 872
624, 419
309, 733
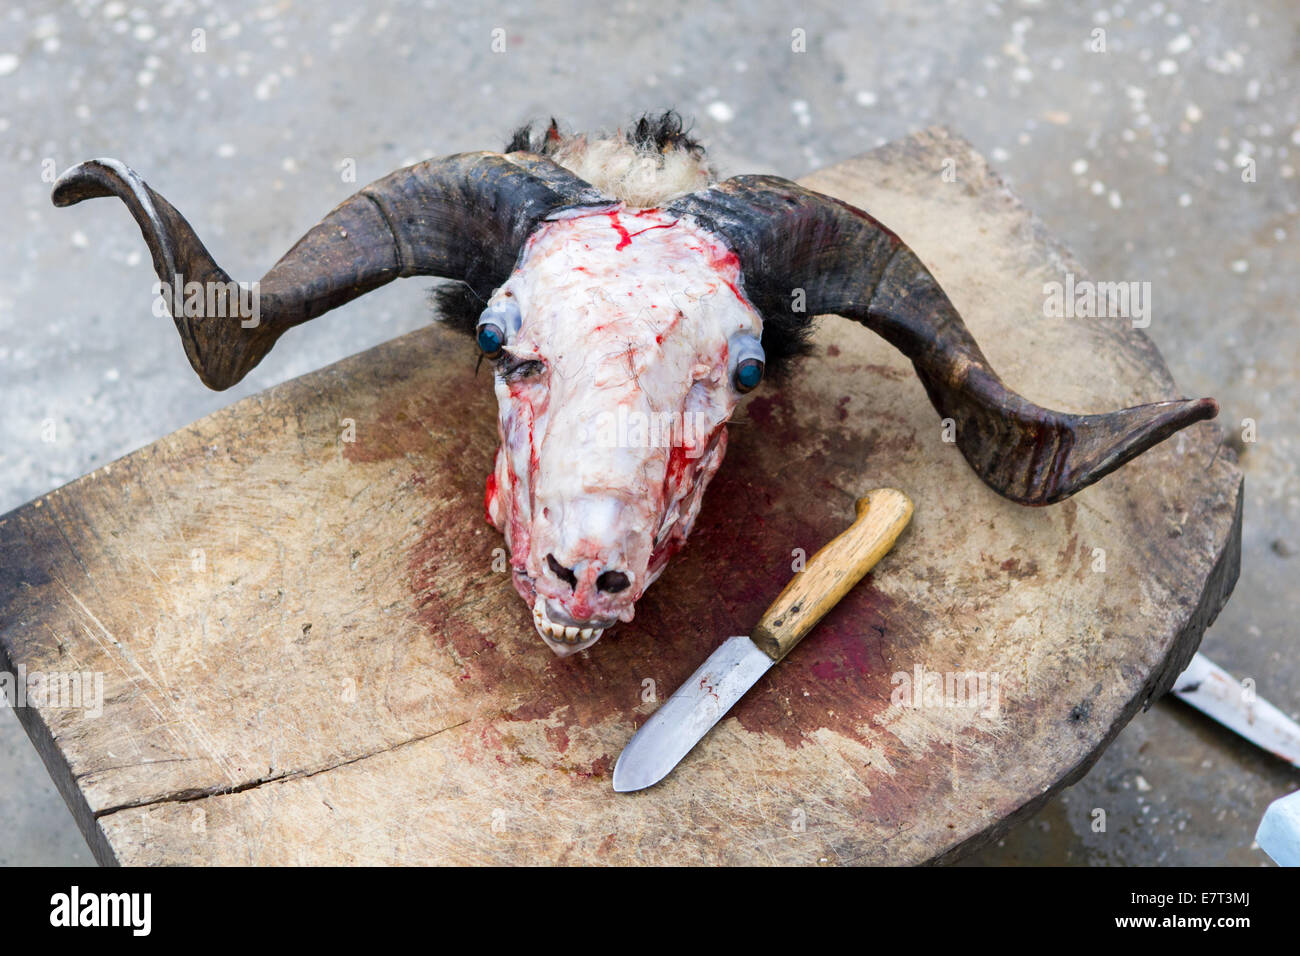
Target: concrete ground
1169, 157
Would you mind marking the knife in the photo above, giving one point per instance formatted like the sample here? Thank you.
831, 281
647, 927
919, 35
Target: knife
1213, 691
1217, 694
739, 662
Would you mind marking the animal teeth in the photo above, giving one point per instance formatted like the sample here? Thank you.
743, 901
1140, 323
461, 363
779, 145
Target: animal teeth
565, 634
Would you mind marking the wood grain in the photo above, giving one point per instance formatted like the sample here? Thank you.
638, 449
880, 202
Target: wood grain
311, 654
832, 572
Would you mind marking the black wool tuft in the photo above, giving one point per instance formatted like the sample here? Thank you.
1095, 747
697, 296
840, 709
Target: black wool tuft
544, 143
786, 339
653, 133
521, 140
457, 305
663, 133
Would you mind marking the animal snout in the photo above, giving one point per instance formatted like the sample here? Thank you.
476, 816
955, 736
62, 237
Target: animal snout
610, 582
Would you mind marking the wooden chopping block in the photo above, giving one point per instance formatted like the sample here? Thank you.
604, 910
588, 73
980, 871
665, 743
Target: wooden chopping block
311, 651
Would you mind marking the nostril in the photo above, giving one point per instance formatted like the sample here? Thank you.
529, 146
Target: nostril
612, 581
561, 572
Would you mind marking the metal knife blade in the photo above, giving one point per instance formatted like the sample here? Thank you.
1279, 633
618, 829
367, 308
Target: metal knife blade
732, 669
690, 713
1213, 691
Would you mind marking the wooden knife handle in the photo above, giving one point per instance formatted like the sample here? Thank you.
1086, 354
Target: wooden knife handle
832, 571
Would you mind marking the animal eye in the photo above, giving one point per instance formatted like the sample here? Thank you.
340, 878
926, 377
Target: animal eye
499, 321
748, 374
491, 338
746, 356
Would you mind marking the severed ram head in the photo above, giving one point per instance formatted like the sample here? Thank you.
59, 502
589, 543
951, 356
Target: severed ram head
626, 300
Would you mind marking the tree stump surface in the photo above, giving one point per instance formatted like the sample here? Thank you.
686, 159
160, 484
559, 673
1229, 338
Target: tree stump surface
308, 655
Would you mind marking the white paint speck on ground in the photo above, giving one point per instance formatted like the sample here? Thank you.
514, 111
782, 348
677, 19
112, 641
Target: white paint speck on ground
720, 112
1185, 200
1115, 199
801, 113
1179, 44
1167, 67
868, 98
226, 150
1240, 266
266, 86
8, 63
79, 239
1079, 167
1097, 188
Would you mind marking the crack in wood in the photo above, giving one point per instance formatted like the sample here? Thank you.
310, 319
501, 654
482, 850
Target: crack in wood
200, 793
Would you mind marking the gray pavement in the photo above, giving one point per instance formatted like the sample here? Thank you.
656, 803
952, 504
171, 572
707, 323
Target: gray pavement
1170, 157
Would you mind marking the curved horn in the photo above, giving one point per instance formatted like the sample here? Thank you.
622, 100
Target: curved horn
460, 217
849, 264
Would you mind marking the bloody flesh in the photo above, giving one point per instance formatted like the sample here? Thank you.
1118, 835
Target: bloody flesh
609, 440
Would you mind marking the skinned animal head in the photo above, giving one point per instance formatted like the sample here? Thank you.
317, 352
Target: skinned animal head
627, 346
626, 301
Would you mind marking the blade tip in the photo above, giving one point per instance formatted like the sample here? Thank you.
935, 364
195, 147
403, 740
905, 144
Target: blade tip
625, 782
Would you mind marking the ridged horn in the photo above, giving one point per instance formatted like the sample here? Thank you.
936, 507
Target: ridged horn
461, 217
847, 263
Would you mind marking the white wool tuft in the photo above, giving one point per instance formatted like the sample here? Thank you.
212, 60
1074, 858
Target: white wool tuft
640, 179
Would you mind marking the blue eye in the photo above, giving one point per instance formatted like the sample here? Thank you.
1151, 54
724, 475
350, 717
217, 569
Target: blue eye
491, 339
748, 374
496, 325
745, 354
